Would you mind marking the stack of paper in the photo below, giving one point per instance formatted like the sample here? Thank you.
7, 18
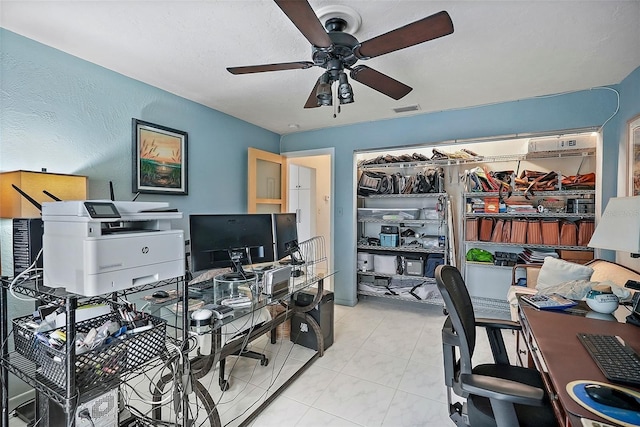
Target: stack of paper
536, 256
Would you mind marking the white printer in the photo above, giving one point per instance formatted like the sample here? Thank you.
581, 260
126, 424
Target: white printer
95, 247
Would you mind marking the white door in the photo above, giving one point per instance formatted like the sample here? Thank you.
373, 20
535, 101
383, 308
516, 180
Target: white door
302, 198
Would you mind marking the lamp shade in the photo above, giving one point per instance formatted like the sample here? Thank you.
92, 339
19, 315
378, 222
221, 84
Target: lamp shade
619, 227
14, 205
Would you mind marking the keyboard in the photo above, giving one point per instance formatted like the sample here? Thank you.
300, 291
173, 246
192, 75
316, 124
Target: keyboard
618, 362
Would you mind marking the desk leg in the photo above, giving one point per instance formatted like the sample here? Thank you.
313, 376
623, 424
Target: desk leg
192, 398
316, 330
4, 374
303, 311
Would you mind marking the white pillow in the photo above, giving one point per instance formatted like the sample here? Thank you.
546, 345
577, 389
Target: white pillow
555, 271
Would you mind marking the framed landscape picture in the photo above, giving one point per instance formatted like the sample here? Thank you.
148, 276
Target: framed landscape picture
159, 159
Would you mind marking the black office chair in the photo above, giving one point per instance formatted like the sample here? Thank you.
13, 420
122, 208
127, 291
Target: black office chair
498, 394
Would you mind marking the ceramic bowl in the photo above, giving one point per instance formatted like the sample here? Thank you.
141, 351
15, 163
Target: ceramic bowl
602, 302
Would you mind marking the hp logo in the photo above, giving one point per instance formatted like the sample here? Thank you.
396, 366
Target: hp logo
145, 250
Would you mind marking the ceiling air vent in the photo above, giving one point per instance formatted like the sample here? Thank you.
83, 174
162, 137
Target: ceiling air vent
406, 109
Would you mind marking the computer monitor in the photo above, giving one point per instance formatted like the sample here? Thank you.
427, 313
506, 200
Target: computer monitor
285, 231
230, 240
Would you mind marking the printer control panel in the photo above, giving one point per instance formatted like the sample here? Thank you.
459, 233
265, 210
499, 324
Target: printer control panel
101, 209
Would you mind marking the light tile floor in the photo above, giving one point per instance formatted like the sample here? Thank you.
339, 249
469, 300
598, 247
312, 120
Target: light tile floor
385, 368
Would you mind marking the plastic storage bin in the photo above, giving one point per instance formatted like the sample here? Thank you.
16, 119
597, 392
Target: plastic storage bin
24, 338
389, 240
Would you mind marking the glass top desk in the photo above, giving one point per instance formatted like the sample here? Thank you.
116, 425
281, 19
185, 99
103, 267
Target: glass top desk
183, 365
228, 336
551, 345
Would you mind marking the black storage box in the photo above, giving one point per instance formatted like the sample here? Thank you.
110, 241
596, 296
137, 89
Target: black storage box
505, 259
301, 331
389, 229
581, 206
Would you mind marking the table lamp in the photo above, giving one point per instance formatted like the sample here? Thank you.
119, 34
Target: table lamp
62, 186
619, 227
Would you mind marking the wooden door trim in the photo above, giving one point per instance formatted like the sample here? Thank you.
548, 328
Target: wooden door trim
254, 155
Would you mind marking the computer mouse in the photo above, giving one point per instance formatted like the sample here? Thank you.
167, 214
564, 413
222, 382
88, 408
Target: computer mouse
613, 397
160, 294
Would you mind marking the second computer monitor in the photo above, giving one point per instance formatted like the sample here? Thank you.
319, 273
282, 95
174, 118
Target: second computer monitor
285, 231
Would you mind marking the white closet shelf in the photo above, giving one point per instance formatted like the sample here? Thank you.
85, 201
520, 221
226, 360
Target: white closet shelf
483, 159
415, 249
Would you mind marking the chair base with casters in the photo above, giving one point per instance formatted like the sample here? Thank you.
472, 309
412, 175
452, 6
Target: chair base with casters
497, 394
224, 384
236, 334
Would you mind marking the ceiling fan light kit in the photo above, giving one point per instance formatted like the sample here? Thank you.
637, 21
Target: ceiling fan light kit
335, 49
323, 93
345, 91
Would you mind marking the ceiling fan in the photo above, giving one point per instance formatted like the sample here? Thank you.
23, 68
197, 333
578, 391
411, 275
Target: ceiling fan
336, 50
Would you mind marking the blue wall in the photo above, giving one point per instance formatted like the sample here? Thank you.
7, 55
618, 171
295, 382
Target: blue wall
568, 111
70, 116
630, 101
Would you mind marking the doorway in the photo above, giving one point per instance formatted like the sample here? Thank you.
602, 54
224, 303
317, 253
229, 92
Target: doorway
321, 164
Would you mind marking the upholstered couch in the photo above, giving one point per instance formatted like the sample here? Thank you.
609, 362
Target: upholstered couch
602, 271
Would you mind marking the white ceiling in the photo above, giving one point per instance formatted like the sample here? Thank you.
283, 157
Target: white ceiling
499, 51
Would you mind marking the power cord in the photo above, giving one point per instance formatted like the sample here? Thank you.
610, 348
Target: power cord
84, 415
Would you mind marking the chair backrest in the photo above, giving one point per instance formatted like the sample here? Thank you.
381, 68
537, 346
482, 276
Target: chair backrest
531, 272
458, 302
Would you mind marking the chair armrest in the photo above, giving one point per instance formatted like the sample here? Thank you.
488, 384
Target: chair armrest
494, 329
501, 389
498, 324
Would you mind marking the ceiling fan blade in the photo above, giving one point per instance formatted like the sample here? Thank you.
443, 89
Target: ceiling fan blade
270, 67
380, 82
303, 17
312, 102
426, 29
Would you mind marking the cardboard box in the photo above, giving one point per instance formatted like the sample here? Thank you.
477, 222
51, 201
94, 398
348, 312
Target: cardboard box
491, 205
579, 257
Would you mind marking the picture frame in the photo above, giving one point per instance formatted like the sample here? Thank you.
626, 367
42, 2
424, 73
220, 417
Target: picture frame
159, 159
633, 135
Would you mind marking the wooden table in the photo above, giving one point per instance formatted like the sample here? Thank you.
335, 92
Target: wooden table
554, 349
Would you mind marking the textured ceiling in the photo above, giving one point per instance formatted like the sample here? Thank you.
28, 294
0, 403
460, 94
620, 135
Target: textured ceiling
499, 51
